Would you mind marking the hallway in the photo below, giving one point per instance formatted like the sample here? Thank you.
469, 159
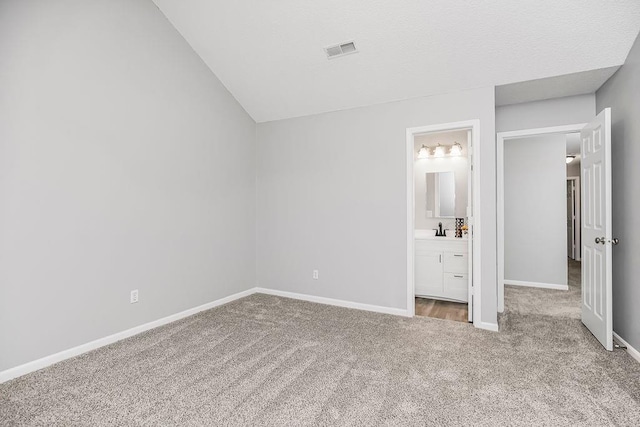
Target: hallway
546, 302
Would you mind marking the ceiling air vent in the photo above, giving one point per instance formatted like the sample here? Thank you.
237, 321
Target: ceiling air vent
340, 49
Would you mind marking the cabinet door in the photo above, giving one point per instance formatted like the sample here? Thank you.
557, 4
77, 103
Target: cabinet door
429, 273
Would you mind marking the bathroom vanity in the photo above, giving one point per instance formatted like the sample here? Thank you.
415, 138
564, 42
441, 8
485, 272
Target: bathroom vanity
441, 267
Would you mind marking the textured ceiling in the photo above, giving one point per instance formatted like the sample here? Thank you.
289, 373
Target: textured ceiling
553, 87
269, 54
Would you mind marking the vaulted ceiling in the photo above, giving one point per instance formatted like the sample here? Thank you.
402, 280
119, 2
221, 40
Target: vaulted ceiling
270, 56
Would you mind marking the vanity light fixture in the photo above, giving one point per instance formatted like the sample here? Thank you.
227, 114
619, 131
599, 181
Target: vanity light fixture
423, 152
570, 158
439, 152
456, 149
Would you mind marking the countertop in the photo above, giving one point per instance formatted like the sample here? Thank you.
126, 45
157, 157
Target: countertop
431, 235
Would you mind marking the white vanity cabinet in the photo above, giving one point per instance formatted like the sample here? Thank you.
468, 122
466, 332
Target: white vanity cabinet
441, 268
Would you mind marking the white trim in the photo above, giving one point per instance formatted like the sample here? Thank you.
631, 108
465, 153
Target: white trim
411, 211
559, 287
632, 351
500, 139
335, 302
487, 326
469, 213
101, 342
474, 125
41, 363
542, 131
476, 256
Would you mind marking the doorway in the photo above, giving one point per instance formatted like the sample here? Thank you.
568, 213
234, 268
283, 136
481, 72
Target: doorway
523, 231
541, 277
596, 226
442, 225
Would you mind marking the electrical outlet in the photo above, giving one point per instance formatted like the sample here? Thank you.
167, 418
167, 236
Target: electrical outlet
134, 296
316, 275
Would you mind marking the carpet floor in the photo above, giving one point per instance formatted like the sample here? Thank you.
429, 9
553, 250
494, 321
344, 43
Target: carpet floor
266, 360
545, 302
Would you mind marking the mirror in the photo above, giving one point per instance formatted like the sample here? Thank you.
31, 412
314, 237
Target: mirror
441, 195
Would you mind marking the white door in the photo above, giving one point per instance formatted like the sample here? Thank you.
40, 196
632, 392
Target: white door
596, 228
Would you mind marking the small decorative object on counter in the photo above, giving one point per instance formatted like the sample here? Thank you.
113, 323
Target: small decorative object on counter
465, 229
459, 225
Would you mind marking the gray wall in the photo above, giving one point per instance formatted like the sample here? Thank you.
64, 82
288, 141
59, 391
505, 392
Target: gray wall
535, 209
124, 164
622, 93
573, 168
332, 196
551, 112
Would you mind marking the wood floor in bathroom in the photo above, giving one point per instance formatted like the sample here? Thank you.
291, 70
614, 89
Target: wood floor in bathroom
442, 309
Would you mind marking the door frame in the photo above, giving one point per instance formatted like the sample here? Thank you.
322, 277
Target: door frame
578, 224
501, 137
474, 225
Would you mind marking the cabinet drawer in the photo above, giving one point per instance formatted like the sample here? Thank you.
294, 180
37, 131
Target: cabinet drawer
456, 262
456, 286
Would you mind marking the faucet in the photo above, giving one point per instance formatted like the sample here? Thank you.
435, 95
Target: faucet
439, 231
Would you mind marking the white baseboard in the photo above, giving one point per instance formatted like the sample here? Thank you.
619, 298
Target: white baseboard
632, 351
336, 302
101, 342
487, 326
555, 286
38, 364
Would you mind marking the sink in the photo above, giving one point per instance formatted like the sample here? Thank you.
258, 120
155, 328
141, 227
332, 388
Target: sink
431, 234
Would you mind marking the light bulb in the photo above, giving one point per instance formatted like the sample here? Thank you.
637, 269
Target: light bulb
423, 152
439, 151
456, 150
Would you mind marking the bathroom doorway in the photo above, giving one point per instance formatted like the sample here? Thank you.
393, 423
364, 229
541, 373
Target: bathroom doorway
441, 227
